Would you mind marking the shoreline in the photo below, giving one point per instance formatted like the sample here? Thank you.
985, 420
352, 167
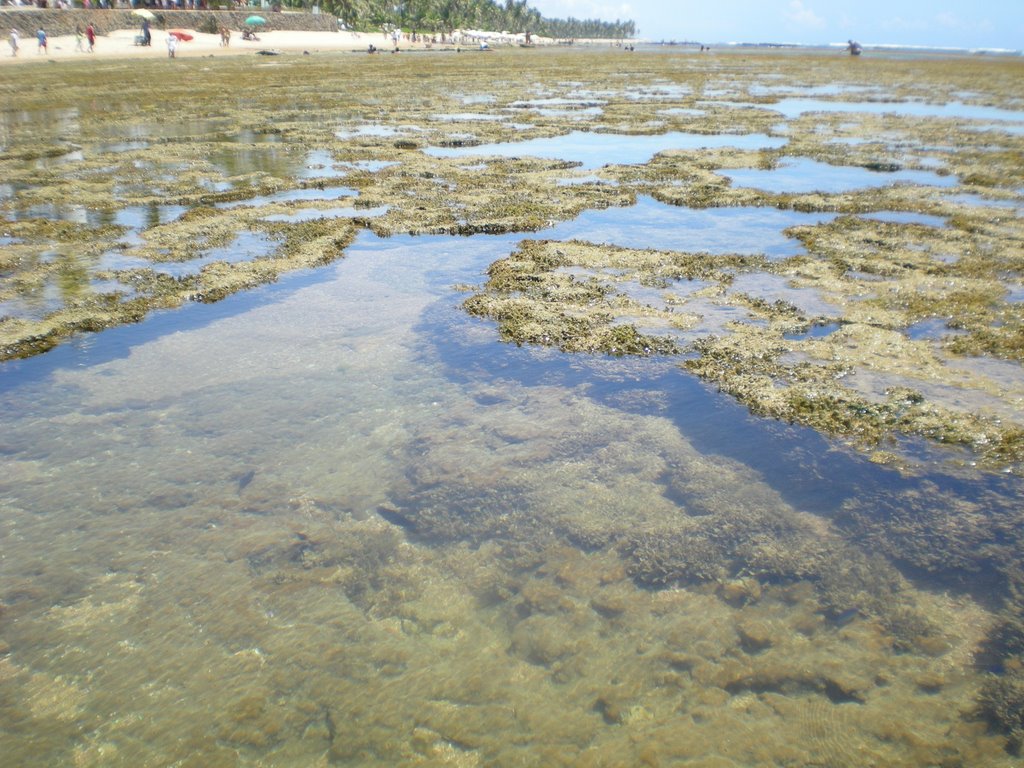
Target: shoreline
120, 44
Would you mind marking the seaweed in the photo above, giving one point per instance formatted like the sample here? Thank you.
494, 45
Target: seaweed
1001, 702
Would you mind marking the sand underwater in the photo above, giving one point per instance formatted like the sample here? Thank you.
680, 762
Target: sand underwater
532, 407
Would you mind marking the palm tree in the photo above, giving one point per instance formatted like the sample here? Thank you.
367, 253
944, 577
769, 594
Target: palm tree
448, 15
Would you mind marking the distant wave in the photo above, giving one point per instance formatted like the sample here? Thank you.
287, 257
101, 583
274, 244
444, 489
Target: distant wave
886, 47
933, 48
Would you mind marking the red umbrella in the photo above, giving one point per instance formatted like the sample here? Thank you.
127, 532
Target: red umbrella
181, 34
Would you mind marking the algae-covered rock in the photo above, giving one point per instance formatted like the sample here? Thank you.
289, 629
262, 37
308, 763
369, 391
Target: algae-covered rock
669, 558
1002, 703
540, 640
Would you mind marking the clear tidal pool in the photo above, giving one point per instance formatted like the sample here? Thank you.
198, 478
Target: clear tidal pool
804, 175
333, 519
651, 224
593, 150
202, 518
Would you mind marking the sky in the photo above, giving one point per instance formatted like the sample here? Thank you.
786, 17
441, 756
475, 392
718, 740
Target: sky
938, 23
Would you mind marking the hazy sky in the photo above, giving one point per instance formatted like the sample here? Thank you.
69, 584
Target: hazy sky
945, 23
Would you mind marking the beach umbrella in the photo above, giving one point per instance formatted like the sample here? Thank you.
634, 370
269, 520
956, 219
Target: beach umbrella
144, 13
181, 34
255, 20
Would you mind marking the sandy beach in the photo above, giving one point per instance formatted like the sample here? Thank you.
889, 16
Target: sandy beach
121, 44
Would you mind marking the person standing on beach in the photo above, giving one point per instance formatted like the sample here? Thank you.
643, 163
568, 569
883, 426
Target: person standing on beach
41, 38
14, 42
172, 46
90, 35
147, 36
78, 38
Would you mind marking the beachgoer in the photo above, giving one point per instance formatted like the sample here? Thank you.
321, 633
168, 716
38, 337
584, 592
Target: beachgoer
41, 38
147, 36
14, 41
90, 35
172, 45
78, 38
225, 36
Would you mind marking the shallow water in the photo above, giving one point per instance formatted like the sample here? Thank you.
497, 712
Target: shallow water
376, 130
978, 200
246, 246
651, 224
774, 288
294, 195
593, 150
798, 175
795, 107
307, 214
335, 521
143, 217
250, 571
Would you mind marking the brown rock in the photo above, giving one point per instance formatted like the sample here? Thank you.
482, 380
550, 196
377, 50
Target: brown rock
755, 636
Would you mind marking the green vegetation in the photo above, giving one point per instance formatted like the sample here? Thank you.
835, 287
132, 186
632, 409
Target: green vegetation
448, 15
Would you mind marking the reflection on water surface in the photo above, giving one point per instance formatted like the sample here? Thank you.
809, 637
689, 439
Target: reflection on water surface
294, 195
805, 175
650, 224
593, 150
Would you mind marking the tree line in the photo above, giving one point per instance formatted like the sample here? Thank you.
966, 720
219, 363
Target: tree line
445, 16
